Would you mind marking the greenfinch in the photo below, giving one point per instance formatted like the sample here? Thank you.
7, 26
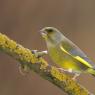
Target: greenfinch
65, 53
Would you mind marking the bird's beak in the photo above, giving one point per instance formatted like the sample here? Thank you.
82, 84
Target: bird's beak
43, 33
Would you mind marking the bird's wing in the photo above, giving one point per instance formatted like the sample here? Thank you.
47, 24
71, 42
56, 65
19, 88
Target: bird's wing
71, 49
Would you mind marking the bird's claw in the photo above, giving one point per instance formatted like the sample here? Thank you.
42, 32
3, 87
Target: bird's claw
39, 54
75, 76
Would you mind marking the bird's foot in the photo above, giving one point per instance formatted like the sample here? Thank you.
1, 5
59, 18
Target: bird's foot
70, 71
75, 76
39, 54
63, 70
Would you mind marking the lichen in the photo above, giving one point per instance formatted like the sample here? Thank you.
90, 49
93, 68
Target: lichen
11, 46
44, 64
51, 73
55, 72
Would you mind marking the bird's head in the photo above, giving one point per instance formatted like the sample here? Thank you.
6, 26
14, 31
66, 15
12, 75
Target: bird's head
50, 33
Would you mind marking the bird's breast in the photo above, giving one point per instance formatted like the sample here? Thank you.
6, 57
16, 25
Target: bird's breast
62, 58
57, 55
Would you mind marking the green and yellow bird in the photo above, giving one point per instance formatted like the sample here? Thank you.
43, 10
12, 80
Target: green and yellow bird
65, 53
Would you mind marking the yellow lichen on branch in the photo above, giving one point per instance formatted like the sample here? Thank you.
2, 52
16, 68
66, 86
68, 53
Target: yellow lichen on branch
37, 64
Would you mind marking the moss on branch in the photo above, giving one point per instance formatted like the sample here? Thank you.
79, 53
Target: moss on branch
41, 67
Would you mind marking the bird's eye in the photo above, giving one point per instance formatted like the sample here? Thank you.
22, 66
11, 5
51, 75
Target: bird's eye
49, 30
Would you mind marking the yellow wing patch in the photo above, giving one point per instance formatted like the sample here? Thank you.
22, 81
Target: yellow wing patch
83, 61
64, 50
77, 57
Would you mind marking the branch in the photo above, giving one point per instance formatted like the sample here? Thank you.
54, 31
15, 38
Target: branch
37, 64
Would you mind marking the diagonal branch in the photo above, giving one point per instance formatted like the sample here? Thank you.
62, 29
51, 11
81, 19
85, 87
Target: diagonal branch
28, 59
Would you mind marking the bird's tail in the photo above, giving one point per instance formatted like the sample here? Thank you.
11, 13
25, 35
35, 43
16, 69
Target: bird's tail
91, 71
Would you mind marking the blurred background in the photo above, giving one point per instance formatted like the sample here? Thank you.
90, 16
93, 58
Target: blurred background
21, 20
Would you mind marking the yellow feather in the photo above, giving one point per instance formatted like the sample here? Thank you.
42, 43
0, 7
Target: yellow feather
64, 50
83, 61
77, 57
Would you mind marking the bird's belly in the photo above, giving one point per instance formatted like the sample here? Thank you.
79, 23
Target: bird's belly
64, 60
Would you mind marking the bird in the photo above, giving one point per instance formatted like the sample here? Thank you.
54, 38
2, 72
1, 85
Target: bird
65, 53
